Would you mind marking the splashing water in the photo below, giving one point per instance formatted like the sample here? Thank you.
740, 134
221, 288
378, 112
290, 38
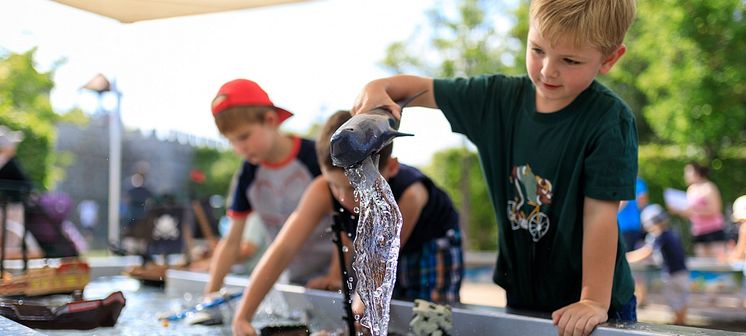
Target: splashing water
376, 244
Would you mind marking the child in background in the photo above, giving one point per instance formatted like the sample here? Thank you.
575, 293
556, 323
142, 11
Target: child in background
665, 246
430, 234
275, 173
739, 252
559, 151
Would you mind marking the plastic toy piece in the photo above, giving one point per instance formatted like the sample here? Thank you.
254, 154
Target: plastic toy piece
430, 319
200, 307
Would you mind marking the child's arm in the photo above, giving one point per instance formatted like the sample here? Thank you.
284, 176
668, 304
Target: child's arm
385, 91
600, 238
226, 253
411, 203
315, 203
640, 254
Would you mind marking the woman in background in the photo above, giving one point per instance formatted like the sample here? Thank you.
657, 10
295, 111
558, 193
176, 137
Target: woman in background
705, 212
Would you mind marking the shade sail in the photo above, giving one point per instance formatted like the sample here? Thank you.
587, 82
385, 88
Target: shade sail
127, 11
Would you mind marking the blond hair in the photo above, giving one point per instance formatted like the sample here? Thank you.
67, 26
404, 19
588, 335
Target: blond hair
231, 118
602, 23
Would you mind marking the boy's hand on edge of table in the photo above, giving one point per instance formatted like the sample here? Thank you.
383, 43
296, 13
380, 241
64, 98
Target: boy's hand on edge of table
579, 318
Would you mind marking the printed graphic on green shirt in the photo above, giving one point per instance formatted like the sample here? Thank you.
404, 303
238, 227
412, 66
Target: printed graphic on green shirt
529, 202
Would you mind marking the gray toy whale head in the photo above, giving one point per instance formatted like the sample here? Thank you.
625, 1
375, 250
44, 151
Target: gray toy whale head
365, 134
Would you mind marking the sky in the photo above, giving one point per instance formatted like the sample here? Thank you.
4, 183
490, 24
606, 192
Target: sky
312, 58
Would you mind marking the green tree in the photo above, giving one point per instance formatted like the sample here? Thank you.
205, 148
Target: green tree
447, 168
25, 106
218, 166
692, 71
464, 39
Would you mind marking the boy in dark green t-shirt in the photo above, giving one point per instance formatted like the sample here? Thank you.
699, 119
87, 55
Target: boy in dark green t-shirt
559, 151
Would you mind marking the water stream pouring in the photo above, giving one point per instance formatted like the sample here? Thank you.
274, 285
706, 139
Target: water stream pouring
366, 134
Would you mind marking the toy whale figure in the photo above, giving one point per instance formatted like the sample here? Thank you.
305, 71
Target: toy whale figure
365, 134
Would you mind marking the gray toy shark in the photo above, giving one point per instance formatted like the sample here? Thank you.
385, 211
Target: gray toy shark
365, 134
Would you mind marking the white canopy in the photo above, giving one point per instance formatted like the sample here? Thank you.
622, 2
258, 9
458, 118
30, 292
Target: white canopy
128, 11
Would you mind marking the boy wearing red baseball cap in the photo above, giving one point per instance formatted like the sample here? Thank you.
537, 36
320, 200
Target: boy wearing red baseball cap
276, 170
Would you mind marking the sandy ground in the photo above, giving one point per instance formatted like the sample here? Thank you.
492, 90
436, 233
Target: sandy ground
485, 294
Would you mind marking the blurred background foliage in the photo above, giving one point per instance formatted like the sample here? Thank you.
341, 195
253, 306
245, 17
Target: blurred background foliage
684, 77
25, 106
218, 167
457, 170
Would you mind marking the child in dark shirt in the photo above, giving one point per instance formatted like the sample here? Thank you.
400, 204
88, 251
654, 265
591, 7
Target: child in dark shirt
558, 151
430, 262
665, 246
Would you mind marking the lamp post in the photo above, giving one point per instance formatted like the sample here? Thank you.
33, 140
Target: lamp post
100, 84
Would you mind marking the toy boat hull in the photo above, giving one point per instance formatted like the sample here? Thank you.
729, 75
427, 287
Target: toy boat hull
151, 273
68, 277
78, 315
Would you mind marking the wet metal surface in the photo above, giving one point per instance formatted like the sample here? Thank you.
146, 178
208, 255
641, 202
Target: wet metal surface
8, 327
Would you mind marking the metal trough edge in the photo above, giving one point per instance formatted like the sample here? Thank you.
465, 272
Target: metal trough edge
326, 310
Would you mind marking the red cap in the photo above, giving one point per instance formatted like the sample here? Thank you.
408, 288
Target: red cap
243, 92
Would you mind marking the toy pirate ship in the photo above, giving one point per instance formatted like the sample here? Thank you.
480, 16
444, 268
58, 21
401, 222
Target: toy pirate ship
163, 234
71, 275
80, 314
165, 231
